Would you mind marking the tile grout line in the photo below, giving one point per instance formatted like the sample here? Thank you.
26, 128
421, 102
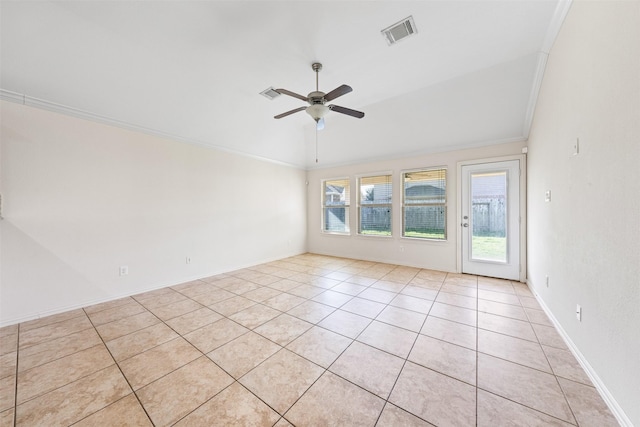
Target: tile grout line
519, 364
101, 409
386, 305
216, 364
120, 370
53, 339
263, 361
327, 368
50, 361
477, 349
15, 391
352, 340
282, 416
406, 359
213, 397
555, 376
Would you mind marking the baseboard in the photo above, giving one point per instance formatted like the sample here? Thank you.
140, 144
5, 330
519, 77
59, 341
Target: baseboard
155, 286
382, 260
608, 398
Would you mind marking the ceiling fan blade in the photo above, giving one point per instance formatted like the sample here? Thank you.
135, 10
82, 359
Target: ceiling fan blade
339, 91
347, 111
293, 94
279, 116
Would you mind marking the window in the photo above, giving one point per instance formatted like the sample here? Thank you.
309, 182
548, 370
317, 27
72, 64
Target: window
374, 205
424, 204
335, 205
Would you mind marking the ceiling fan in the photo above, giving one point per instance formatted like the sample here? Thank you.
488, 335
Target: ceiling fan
317, 108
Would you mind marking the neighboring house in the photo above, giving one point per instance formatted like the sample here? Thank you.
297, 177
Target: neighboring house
335, 195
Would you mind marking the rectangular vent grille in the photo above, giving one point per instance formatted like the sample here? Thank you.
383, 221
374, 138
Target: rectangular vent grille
270, 93
400, 30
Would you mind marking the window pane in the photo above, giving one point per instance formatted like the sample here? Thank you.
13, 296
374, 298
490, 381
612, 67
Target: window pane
425, 221
335, 210
424, 204
336, 192
489, 216
375, 220
336, 219
375, 190
425, 187
374, 207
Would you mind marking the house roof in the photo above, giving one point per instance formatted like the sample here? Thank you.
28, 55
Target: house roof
423, 191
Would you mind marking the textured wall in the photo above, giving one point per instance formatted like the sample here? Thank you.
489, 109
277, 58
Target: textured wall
81, 199
587, 238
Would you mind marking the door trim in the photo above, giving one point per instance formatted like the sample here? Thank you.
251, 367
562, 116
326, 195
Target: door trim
523, 208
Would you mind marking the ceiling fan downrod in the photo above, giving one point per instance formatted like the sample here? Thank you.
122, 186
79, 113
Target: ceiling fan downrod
317, 67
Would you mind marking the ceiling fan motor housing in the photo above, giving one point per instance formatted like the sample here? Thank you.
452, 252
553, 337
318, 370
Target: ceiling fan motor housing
316, 98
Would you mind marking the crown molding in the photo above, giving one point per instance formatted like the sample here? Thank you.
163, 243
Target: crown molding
562, 9
535, 91
560, 13
19, 98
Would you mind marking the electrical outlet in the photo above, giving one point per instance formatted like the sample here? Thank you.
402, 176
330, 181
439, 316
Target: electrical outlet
187, 260
579, 313
401, 248
547, 196
124, 270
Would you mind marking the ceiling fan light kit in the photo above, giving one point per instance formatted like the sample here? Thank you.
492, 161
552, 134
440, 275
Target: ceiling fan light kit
317, 100
317, 111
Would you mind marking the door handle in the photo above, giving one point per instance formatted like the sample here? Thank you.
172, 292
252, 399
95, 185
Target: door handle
465, 224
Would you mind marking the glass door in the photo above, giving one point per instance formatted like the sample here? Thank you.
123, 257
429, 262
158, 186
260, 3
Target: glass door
490, 220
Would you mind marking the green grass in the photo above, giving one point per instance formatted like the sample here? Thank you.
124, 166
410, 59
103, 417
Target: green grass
375, 232
424, 235
490, 248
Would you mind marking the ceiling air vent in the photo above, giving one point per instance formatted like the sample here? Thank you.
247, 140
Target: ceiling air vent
270, 93
400, 30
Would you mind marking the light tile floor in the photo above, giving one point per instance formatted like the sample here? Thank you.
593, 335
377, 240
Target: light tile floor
310, 341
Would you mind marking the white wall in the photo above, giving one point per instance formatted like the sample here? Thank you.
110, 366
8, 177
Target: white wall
438, 255
81, 199
587, 238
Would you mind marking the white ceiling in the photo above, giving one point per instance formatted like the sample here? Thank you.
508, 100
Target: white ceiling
193, 70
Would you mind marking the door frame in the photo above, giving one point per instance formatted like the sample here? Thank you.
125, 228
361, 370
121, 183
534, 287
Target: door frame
523, 208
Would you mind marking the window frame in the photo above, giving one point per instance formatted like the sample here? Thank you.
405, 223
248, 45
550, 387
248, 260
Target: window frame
444, 205
324, 207
388, 205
